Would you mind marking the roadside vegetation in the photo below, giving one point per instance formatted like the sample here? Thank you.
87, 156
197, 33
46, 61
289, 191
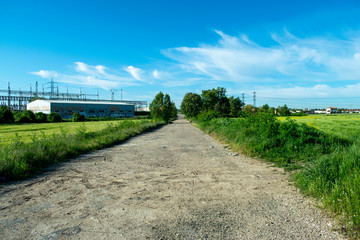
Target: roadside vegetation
325, 163
30, 142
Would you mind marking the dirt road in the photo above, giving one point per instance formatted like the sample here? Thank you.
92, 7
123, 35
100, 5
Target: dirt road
172, 183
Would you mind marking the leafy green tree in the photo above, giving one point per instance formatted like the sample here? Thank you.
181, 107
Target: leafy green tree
191, 104
157, 106
249, 109
54, 117
235, 106
284, 111
162, 108
27, 116
215, 99
6, 115
77, 117
41, 117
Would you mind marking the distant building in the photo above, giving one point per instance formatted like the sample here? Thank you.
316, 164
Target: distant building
331, 110
89, 109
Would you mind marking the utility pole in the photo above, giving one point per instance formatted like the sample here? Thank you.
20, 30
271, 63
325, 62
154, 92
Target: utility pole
36, 88
254, 98
243, 98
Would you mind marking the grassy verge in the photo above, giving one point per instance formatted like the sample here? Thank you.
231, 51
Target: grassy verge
327, 165
19, 159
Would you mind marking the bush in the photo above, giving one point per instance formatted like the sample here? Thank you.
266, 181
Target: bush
27, 116
54, 117
41, 117
6, 115
77, 117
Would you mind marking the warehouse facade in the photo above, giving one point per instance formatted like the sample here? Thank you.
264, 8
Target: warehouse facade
89, 109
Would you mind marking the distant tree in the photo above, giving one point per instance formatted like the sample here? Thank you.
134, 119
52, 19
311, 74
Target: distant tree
162, 108
191, 104
284, 111
157, 106
41, 117
54, 117
27, 116
249, 109
215, 99
77, 117
6, 115
235, 106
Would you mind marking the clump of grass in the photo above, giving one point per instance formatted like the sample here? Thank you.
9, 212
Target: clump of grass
20, 160
328, 165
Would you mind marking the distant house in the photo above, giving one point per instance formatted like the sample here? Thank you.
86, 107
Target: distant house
331, 110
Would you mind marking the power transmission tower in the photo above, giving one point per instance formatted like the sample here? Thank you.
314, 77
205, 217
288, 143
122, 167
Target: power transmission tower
254, 98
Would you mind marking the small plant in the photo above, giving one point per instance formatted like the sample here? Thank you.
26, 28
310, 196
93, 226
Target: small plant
77, 117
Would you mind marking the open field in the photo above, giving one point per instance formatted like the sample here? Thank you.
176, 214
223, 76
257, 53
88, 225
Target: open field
27, 131
343, 125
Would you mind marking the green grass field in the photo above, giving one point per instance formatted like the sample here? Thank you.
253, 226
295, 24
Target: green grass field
27, 131
343, 125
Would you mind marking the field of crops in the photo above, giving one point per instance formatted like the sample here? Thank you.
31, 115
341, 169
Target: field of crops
28, 131
343, 125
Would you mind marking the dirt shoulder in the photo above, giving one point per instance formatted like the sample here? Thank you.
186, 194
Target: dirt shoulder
172, 183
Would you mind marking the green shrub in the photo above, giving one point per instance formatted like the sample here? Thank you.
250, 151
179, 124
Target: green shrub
77, 117
41, 117
27, 116
54, 117
6, 115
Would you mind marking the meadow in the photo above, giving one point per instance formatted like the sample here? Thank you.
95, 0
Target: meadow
36, 146
28, 131
322, 152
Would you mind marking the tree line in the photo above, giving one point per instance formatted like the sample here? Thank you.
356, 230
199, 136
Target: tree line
215, 103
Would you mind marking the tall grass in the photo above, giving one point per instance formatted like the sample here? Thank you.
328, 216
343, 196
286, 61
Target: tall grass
328, 165
19, 160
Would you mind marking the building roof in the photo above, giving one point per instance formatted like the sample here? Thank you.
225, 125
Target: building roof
81, 102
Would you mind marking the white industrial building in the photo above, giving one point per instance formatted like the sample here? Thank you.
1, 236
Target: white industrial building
89, 109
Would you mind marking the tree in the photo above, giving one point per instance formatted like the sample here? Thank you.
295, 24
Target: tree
191, 104
27, 116
162, 108
249, 109
77, 117
157, 106
6, 115
41, 117
215, 99
284, 111
54, 117
235, 106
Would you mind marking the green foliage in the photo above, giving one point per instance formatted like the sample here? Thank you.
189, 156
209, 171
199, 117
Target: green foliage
54, 117
41, 117
26, 117
20, 160
161, 108
77, 117
6, 115
235, 106
283, 111
249, 109
216, 100
191, 104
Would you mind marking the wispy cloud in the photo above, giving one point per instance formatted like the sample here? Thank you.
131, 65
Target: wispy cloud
134, 72
94, 76
239, 59
45, 74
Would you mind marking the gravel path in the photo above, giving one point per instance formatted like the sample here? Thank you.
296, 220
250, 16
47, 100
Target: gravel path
172, 183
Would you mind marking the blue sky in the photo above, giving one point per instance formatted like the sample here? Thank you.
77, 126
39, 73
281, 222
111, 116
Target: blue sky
299, 53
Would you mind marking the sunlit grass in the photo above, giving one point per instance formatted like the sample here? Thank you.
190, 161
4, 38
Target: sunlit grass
27, 131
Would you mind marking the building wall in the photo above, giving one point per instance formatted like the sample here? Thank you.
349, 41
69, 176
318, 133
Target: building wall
66, 110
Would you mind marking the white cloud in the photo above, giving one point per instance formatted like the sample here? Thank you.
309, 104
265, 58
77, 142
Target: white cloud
45, 74
135, 72
238, 59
